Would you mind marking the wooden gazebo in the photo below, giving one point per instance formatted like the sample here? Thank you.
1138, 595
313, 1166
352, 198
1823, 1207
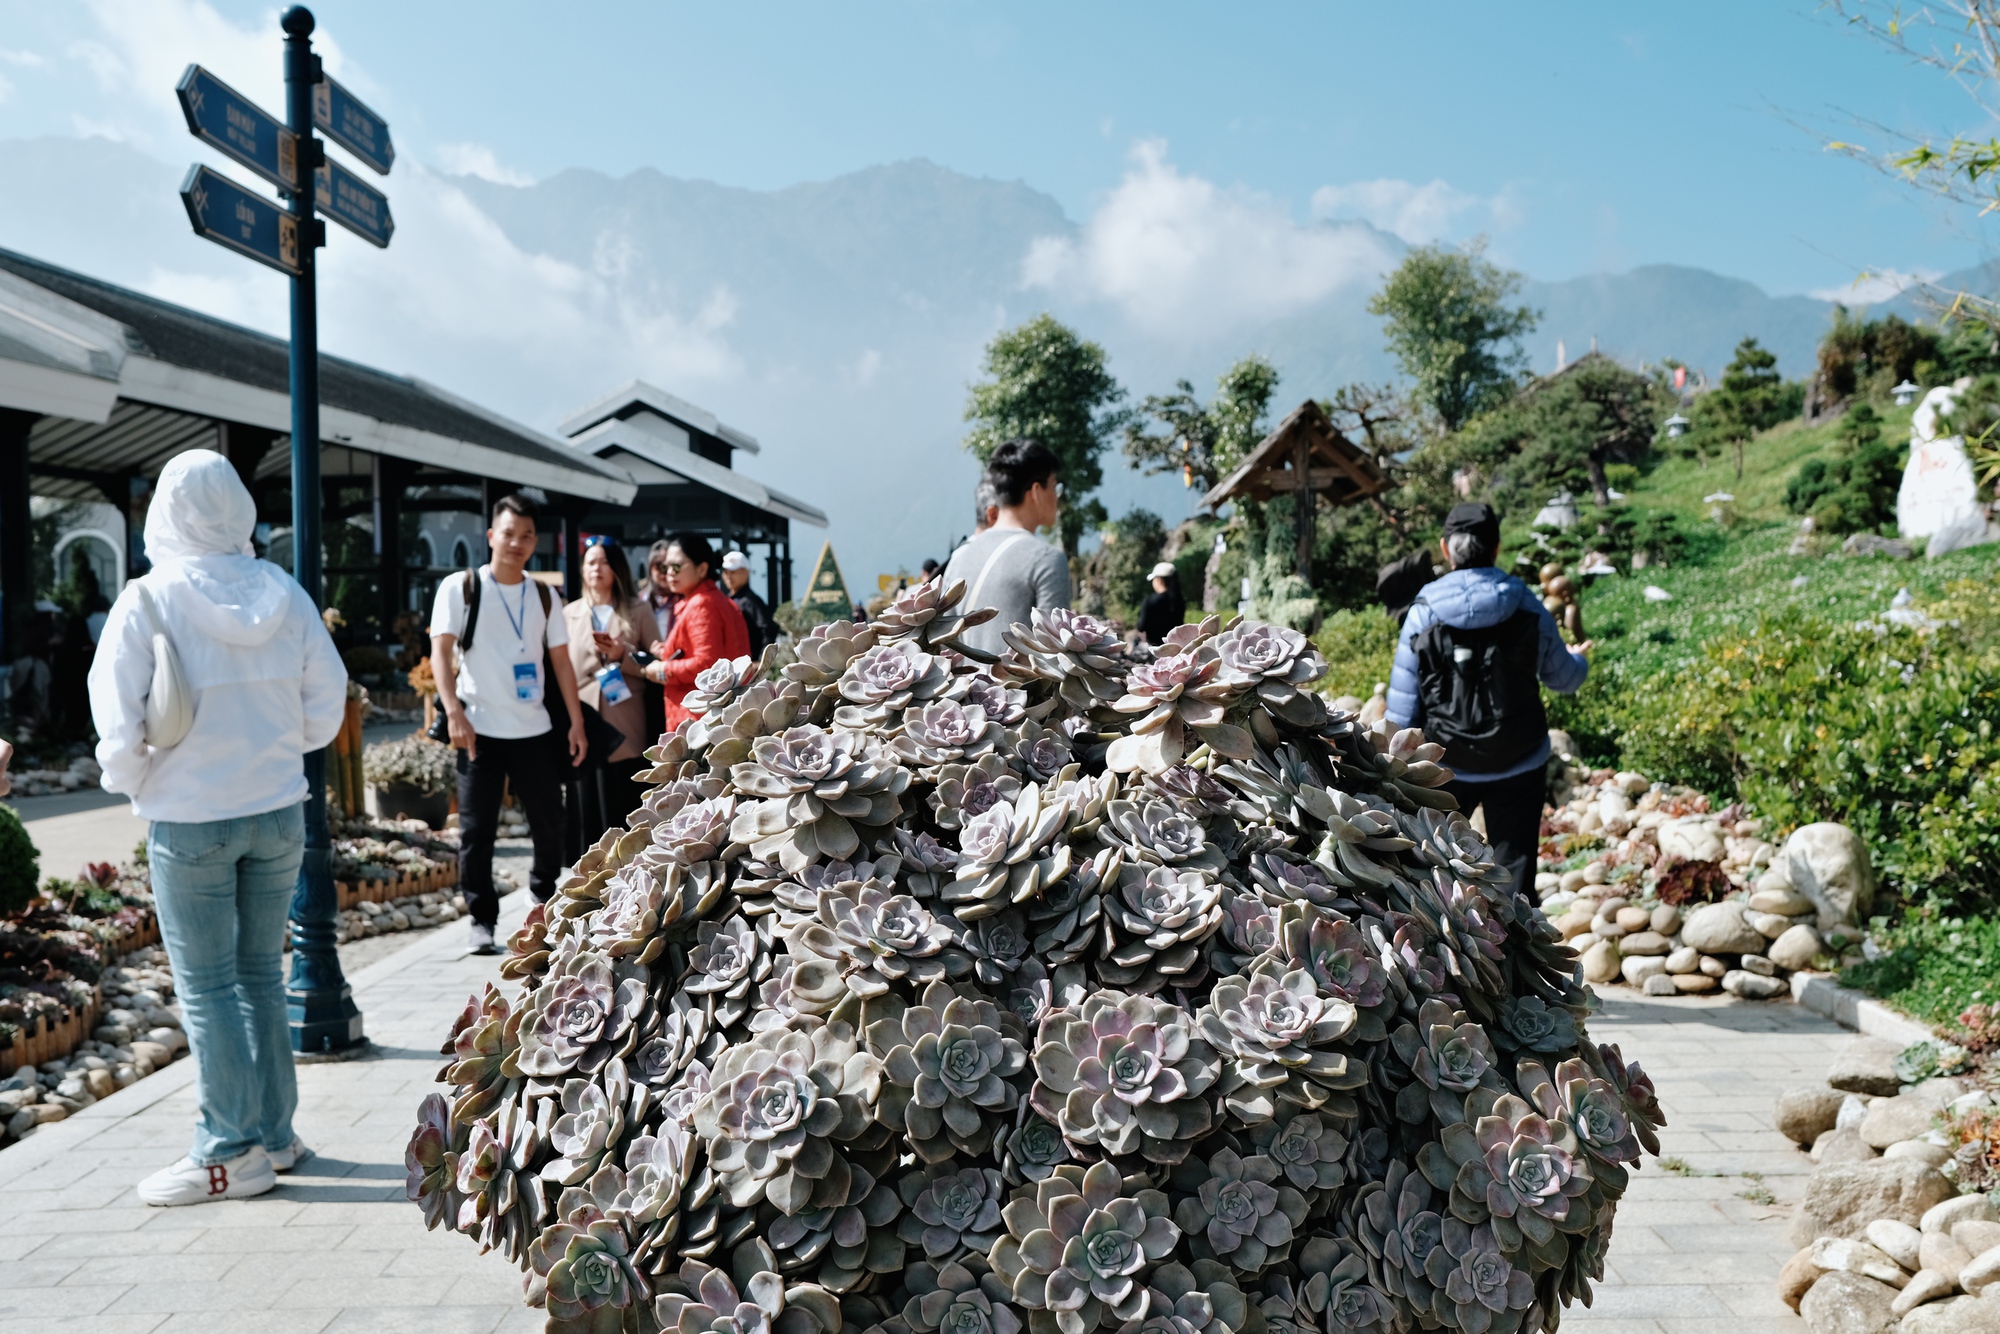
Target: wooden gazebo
1306, 455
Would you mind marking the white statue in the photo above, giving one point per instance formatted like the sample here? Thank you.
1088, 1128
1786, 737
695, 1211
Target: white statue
1939, 498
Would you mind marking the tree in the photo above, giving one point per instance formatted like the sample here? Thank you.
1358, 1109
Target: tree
1591, 414
1752, 397
1045, 383
1131, 549
1855, 489
1203, 441
1446, 318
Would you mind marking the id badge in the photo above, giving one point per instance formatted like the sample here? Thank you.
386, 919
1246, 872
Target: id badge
528, 682
611, 685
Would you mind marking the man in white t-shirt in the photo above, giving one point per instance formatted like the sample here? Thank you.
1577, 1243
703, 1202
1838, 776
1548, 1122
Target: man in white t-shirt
492, 694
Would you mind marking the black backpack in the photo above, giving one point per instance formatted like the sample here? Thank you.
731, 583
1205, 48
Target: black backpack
1480, 691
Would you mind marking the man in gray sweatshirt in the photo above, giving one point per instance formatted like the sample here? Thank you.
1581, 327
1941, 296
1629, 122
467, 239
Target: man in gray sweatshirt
1007, 567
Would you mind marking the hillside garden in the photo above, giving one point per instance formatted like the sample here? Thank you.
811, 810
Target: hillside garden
1747, 645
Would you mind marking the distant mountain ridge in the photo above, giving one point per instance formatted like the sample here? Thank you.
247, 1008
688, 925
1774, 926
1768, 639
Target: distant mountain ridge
838, 321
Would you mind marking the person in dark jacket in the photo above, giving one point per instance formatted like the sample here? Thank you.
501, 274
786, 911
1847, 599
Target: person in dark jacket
1164, 607
756, 615
1472, 649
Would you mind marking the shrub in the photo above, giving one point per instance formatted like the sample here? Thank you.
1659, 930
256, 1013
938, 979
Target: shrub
1888, 729
1359, 647
20, 864
1855, 489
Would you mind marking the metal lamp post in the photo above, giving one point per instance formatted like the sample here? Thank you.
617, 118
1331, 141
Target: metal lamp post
324, 1016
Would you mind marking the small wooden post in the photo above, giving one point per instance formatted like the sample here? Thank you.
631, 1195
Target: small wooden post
1304, 508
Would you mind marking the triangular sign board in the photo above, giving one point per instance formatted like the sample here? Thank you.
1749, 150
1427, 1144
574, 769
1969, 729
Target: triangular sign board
826, 597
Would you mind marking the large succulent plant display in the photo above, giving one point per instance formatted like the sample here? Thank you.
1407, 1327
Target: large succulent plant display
1084, 989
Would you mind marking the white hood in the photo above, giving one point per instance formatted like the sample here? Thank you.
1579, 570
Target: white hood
199, 525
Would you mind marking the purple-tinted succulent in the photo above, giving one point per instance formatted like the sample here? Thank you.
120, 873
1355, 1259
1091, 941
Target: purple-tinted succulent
1338, 956
1241, 1213
427, 1163
951, 1209
1125, 1075
1336, 1289
945, 732
1080, 1247
958, 1298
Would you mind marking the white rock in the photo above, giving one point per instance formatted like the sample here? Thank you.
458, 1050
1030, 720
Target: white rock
1633, 784
1758, 964
1781, 899
1692, 838
1927, 1286
1853, 1111
1796, 948
1948, 1215
1547, 882
1600, 962
1639, 967
1846, 1255
1828, 863
1769, 924
1922, 1150
1660, 985
1750, 986
1719, 928
1686, 959
1899, 1241
1981, 1274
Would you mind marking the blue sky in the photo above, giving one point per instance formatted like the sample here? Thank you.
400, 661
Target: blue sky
1581, 137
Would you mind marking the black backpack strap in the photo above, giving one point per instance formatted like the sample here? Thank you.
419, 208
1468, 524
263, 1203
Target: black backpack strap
471, 578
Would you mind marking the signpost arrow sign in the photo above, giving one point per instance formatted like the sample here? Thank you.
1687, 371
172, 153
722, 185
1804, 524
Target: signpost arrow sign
247, 223
220, 116
346, 119
353, 203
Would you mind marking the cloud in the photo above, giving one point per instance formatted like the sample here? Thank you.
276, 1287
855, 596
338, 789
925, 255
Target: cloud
1875, 285
479, 160
22, 59
454, 296
1419, 214
1173, 249
142, 46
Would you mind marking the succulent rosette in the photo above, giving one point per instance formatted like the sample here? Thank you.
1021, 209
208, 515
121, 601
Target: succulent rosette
1076, 1252
1239, 1211
1125, 1075
1074, 989
948, 1067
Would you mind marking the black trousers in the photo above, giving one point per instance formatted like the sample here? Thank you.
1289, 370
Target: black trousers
598, 798
529, 763
1513, 819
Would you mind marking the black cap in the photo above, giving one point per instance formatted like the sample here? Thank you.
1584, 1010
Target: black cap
1474, 518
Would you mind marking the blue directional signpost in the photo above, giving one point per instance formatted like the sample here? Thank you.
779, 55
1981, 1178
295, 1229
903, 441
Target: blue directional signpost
285, 153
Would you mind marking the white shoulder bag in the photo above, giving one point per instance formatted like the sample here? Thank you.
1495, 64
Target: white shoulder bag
169, 703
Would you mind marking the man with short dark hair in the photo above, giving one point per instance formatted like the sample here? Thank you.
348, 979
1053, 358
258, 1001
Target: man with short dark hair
1006, 566
492, 697
1475, 649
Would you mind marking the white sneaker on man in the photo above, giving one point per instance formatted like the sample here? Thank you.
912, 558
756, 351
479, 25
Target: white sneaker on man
189, 1182
285, 1159
482, 940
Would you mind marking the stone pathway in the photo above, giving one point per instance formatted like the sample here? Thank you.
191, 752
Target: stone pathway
335, 1247
1693, 1253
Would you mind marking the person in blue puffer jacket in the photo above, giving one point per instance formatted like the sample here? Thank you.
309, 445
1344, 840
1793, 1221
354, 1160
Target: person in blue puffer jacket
1473, 653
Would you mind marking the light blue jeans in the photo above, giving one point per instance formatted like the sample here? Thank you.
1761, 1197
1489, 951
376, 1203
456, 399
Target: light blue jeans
222, 889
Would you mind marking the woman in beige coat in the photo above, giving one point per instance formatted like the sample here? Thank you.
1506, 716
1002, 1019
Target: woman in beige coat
605, 626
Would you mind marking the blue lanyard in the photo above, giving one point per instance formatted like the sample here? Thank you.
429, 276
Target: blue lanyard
520, 623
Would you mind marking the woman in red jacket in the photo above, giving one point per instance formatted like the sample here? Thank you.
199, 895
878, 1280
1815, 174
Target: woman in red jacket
706, 625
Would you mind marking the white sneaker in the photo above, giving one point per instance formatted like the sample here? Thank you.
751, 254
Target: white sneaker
285, 1159
188, 1182
482, 940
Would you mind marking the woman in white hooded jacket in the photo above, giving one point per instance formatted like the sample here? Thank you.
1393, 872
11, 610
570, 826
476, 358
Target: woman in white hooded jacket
228, 833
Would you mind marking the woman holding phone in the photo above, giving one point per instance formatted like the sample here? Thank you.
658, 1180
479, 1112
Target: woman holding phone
607, 627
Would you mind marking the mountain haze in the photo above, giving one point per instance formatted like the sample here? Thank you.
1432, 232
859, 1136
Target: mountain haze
838, 321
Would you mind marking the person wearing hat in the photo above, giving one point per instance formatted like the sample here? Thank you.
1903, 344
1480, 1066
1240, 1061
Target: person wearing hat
1475, 649
756, 615
1164, 607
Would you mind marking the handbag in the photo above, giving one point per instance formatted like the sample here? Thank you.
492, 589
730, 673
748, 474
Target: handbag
169, 702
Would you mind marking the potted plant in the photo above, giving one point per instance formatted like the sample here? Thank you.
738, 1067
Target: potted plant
409, 777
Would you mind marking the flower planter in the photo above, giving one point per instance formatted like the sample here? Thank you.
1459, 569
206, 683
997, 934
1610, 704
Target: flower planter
390, 888
405, 801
